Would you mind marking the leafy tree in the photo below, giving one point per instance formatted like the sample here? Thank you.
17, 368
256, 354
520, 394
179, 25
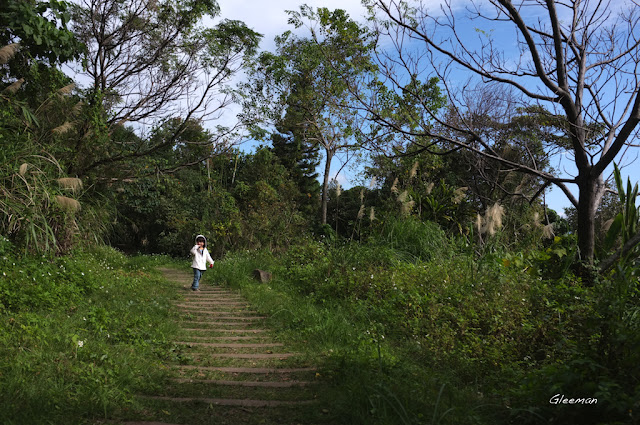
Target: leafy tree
152, 61
308, 74
581, 69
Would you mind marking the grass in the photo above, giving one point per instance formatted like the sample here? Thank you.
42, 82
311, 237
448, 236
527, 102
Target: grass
377, 371
397, 336
402, 336
79, 335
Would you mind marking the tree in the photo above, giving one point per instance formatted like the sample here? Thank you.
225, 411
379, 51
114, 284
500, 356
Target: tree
575, 60
308, 74
300, 157
151, 61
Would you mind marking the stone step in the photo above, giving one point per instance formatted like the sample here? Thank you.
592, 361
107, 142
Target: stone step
257, 370
233, 402
267, 384
253, 355
197, 322
255, 338
247, 318
230, 345
225, 330
197, 305
243, 313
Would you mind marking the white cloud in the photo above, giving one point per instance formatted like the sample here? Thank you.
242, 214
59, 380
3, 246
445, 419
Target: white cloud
270, 18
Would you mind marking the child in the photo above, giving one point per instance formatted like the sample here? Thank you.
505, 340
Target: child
200, 258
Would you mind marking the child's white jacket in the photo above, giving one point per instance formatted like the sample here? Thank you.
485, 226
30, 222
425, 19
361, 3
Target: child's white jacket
200, 260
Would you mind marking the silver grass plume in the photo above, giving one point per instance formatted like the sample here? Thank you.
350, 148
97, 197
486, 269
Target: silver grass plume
61, 129
7, 52
407, 207
536, 220
14, 87
361, 212
459, 194
547, 231
72, 183
493, 218
372, 214
414, 170
480, 224
429, 187
394, 186
68, 204
66, 89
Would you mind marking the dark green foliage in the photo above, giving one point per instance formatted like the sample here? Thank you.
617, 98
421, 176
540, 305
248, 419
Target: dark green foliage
300, 157
41, 29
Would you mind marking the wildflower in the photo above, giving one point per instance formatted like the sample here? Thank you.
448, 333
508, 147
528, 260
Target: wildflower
80, 343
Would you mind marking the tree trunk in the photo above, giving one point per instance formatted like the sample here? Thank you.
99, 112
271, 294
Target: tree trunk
591, 191
325, 185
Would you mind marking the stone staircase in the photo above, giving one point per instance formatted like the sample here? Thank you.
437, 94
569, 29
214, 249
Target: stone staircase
229, 368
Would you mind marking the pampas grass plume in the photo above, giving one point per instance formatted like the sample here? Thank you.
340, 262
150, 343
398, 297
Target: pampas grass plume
414, 170
547, 231
7, 52
72, 183
458, 194
67, 89
61, 129
394, 186
11, 89
68, 204
429, 187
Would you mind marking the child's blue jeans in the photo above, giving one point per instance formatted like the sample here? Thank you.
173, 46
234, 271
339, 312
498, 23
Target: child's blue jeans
197, 275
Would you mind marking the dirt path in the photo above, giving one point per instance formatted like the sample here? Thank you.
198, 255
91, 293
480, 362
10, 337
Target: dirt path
229, 368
